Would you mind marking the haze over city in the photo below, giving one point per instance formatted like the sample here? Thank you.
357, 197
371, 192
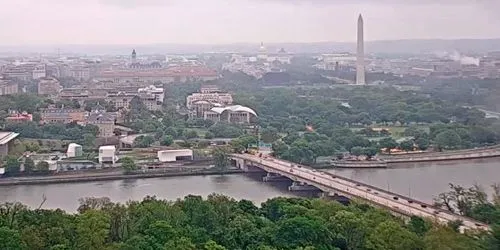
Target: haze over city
250, 124
50, 22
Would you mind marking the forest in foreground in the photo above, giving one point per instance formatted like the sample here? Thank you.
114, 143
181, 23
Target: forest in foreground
220, 222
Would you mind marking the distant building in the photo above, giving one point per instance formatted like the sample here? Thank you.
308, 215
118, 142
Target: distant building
281, 57
262, 55
49, 86
80, 72
152, 97
16, 117
107, 154
74, 150
121, 99
231, 114
7, 142
23, 72
39, 72
75, 165
166, 75
8, 87
158, 93
206, 99
105, 121
62, 115
175, 155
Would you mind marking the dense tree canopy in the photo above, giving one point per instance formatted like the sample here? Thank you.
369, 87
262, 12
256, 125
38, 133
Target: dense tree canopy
220, 222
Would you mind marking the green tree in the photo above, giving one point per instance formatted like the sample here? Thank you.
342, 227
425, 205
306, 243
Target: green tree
171, 131
161, 232
388, 144
419, 226
11, 240
209, 135
128, 164
42, 166
444, 238
279, 148
32, 146
243, 142
12, 165
301, 231
269, 135
167, 140
221, 158
407, 145
422, 143
370, 152
392, 236
448, 139
212, 245
190, 134
92, 228
89, 140
352, 227
357, 151
29, 165
182, 243
143, 141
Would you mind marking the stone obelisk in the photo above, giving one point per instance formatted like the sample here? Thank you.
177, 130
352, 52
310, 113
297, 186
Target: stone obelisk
360, 56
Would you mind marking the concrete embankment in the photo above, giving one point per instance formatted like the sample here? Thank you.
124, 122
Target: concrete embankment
359, 164
443, 156
108, 177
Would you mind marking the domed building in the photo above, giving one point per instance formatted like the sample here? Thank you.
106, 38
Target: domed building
232, 114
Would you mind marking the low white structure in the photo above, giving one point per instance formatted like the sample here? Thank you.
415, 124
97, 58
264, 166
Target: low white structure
174, 155
107, 154
74, 150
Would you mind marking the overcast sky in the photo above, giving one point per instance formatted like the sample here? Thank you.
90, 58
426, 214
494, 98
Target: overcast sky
233, 21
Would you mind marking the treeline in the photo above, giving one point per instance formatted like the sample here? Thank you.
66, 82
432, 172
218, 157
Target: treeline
70, 131
306, 147
292, 109
220, 222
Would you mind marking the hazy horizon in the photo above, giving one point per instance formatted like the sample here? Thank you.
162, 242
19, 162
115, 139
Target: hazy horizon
219, 22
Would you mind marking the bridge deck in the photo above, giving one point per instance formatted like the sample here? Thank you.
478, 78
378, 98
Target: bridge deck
398, 203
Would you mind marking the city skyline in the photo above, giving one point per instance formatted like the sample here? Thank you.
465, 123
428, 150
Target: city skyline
246, 21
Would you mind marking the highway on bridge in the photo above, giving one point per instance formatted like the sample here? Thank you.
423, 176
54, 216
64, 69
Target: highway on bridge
397, 203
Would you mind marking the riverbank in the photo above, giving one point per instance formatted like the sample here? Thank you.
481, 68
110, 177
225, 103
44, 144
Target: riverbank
359, 164
468, 154
12, 181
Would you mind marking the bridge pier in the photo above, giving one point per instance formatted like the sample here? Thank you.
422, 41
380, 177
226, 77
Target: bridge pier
335, 196
301, 186
271, 177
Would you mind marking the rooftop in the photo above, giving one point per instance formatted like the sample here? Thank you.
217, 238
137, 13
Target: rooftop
6, 137
235, 108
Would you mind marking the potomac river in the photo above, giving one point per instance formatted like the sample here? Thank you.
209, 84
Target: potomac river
422, 181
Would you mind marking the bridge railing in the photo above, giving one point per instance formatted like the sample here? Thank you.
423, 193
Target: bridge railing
373, 188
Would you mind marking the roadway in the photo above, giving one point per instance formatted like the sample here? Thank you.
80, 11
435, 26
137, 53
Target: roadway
397, 203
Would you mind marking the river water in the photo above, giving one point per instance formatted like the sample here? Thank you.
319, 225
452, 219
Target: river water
421, 181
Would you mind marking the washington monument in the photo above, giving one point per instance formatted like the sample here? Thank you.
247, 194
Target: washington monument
360, 56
